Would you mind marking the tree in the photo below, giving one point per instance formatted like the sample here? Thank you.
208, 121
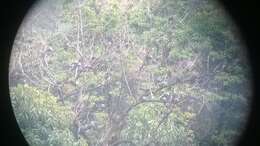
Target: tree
132, 73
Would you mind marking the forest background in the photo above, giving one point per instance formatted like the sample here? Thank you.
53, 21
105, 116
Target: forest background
129, 72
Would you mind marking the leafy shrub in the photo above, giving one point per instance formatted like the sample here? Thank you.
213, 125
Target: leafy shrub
42, 120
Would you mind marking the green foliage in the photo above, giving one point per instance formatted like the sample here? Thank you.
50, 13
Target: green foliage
180, 54
144, 126
104, 20
138, 20
131, 72
42, 120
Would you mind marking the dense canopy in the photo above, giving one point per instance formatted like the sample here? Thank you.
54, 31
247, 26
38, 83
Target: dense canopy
129, 73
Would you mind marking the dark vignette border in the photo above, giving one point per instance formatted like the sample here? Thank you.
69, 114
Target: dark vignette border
12, 12
246, 15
